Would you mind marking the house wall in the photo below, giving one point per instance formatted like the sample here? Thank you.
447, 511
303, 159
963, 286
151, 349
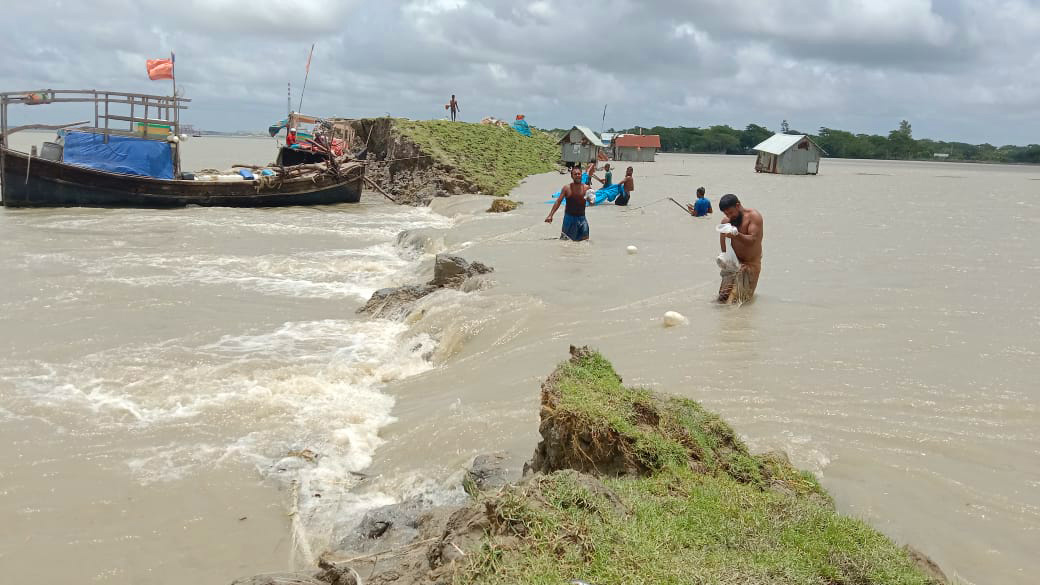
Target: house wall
576, 153
573, 151
633, 154
765, 163
795, 161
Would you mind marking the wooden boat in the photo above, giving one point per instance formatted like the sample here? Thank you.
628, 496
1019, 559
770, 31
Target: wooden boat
49, 181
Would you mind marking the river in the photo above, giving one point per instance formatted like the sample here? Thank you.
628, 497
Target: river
162, 372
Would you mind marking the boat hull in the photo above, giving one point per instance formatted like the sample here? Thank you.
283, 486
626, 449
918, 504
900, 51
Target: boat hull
39, 182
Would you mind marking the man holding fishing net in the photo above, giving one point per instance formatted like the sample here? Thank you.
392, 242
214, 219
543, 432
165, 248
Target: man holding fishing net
742, 226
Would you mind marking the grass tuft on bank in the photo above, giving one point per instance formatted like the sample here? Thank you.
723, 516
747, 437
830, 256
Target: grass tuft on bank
495, 159
701, 508
679, 526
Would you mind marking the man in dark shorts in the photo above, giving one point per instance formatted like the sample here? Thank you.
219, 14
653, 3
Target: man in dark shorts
575, 226
454, 107
628, 184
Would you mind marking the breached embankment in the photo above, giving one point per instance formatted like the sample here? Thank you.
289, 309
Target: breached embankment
415, 161
626, 486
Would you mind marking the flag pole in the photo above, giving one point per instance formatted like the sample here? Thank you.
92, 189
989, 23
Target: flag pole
173, 76
308, 74
176, 116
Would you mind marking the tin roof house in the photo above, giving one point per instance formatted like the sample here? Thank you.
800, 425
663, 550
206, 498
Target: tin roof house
788, 154
580, 145
636, 147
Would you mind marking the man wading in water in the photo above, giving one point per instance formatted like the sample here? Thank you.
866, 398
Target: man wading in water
628, 184
575, 226
738, 286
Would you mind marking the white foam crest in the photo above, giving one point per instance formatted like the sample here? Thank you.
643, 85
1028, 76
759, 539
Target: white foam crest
349, 223
328, 274
313, 385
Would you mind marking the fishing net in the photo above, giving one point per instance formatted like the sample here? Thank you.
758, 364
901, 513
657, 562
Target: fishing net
738, 283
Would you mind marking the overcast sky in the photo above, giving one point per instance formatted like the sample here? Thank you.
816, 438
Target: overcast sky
957, 70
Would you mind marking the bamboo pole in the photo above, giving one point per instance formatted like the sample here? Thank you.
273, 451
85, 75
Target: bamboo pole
3, 146
380, 189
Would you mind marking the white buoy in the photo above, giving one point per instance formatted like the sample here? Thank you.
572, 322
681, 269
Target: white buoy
632, 249
671, 319
184, 137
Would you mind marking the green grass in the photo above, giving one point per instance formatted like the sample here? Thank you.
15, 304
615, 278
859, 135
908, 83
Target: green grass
493, 158
704, 510
680, 527
663, 432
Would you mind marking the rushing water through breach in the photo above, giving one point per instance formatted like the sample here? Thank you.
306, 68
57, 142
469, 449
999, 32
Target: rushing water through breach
158, 368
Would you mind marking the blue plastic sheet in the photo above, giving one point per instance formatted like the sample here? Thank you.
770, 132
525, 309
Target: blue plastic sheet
604, 194
122, 154
522, 127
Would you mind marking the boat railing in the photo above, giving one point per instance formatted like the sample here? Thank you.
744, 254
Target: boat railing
146, 115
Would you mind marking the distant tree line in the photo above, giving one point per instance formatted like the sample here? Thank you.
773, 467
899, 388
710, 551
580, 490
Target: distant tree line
898, 145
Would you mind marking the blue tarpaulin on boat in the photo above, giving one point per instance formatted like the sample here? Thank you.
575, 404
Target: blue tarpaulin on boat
122, 154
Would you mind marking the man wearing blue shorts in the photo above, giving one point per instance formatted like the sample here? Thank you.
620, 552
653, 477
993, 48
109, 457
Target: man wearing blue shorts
575, 226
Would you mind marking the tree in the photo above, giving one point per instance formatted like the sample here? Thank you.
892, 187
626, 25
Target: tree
753, 135
904, 127
901, 141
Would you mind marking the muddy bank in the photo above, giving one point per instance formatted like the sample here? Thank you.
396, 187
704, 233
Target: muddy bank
626, 485
415, 161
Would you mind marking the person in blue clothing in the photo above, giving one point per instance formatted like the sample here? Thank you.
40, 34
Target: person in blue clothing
702, 206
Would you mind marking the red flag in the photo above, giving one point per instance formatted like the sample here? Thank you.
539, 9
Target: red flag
159, 68
311, 54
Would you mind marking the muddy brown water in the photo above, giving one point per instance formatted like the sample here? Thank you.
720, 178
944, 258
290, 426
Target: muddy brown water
157, 367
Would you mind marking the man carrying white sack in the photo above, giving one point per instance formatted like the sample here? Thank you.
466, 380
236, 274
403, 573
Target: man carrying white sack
743, 228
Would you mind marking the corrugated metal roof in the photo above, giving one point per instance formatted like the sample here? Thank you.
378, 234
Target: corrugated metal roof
638, 141
589, 134
779, 143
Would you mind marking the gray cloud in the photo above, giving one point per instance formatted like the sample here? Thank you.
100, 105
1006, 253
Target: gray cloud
957, 69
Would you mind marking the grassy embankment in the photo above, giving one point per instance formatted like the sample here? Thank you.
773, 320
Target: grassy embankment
702, 509
495, 159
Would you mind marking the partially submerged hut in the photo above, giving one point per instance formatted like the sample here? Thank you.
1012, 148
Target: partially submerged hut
636, 147
788, 154
579, 146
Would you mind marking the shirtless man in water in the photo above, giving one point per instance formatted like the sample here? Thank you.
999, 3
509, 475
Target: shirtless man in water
575, 226
629, 185
747, 245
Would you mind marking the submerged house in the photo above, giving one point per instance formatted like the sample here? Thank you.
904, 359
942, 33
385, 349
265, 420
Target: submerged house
788, 154
580, 145
636, 147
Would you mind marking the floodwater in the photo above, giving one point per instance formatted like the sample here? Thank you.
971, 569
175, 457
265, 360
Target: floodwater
159, 369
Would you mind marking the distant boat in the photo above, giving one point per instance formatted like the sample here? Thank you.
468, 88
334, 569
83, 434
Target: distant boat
139, 166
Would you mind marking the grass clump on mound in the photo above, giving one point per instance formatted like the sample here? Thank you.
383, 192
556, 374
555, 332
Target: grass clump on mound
639, 488
495, 159
598, 425
678, 526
